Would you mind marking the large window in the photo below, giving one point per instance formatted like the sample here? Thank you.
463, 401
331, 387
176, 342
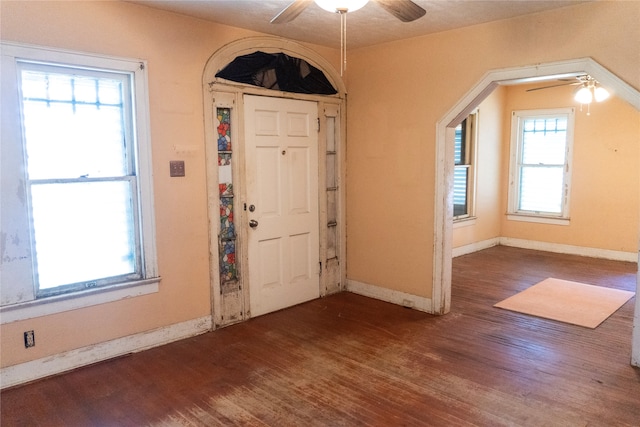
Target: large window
80, 176
540, 169
84, 187
464, 172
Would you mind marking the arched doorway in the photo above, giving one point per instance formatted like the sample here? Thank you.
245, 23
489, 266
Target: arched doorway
228, 173
441, 296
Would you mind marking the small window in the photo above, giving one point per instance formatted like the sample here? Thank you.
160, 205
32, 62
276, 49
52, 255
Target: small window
464, 169
85, 198
541, 145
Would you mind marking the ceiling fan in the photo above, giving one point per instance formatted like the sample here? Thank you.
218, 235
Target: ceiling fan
588, 91
404, 10
579, 80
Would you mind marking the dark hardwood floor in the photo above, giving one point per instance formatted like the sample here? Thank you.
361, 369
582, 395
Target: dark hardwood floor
347, 360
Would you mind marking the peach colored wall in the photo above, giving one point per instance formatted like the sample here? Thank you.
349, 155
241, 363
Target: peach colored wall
488, 176
397, 93
177, 49
604, 204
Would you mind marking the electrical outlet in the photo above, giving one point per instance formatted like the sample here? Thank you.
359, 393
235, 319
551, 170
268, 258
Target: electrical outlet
29, 339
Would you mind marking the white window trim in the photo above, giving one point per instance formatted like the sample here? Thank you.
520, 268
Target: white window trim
539, 219
543, 217
466, 221
469, 218
72, 301
18, 278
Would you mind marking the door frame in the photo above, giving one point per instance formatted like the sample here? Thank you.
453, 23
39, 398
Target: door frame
233, 306
443, 210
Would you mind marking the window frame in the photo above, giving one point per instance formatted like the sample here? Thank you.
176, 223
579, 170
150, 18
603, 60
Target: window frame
21, 299
514, 212
469, 161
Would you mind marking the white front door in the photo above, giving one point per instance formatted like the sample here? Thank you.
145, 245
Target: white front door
281, 151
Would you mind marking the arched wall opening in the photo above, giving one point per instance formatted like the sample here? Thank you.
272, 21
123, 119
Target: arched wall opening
443, 206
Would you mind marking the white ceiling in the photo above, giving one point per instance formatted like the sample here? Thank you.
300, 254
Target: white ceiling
367, 26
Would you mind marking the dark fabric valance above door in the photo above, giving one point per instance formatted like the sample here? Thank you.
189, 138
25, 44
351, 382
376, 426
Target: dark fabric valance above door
277, 71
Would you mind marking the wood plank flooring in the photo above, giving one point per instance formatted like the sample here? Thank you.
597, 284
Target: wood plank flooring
347, 360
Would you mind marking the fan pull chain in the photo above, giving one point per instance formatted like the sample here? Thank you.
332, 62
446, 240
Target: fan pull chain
588, 108
343, 40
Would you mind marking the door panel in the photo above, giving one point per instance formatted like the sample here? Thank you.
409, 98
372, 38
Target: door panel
300, 268
270, 253
281, 149
267, 194
299, 188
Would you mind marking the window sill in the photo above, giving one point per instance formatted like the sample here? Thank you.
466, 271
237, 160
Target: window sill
72, 301
538, 218
464, 222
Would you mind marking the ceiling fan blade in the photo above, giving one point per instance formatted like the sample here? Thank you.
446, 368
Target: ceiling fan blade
290, 12
404, 10
549, 87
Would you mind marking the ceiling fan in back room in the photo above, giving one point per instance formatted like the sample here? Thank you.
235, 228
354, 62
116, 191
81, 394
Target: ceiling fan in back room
404, 10
588, 91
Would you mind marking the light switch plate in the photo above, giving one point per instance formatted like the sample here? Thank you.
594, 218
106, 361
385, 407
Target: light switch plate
176, 168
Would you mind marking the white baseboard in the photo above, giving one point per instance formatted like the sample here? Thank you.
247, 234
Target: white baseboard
56, 364
547, 247
570, 249
389, 295
475, 247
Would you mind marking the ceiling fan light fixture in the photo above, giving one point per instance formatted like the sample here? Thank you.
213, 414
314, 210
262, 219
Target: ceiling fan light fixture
335, 6
584, 95
600, 94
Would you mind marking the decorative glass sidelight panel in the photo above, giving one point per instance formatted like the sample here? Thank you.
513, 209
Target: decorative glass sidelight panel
332, 188
332, 209
228, 267
331, 134
228, 271
332, 242
224, 129
332, 181
227, 227
225, 179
